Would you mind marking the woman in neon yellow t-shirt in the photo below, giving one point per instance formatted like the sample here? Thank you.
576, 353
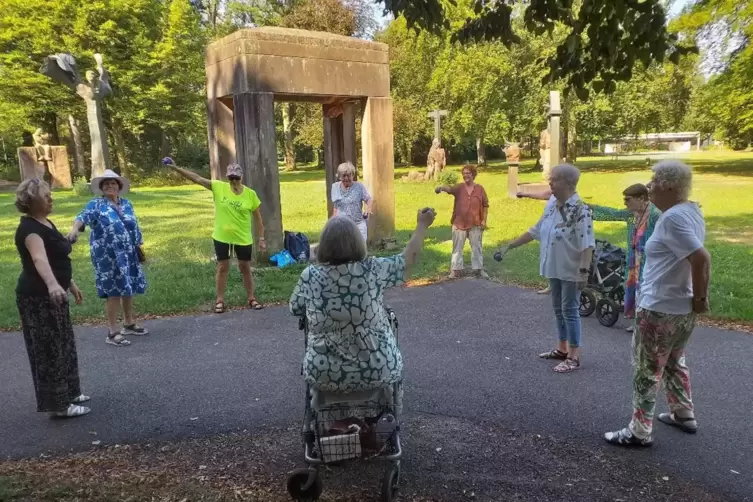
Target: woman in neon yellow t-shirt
234, 204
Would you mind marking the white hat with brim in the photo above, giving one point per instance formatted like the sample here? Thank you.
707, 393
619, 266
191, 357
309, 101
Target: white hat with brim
109, 174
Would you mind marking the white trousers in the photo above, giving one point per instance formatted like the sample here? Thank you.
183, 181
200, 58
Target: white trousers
458, 242
363, 227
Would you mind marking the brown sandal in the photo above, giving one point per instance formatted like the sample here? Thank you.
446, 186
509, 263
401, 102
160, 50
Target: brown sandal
219, 307
255, 304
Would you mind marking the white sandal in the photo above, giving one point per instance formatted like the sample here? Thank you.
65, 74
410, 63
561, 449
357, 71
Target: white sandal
81, 399
73, 410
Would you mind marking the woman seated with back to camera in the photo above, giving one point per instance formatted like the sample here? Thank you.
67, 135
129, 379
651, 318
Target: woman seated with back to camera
351, 346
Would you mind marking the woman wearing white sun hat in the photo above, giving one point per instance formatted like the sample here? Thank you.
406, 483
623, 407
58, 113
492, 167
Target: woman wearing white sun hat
115, 240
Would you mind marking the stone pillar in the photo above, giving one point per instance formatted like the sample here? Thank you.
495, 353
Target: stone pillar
379, 166
333, 150
100, 153
256, 151
221, 131
512, 180
28, 164
554, 129
59, 168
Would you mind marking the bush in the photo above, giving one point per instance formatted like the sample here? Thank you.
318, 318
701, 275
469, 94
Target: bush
10, 172
81, 187
447, 178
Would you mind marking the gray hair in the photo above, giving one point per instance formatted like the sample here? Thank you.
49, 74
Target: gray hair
673, 175
28, 191
346, 168
569, 174
340, 242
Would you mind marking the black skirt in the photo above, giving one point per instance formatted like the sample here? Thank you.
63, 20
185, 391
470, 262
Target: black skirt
48, 333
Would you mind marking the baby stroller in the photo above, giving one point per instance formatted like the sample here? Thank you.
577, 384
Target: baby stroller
339, 427
605, 291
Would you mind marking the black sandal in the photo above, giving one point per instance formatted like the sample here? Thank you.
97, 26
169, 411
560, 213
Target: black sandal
554, 354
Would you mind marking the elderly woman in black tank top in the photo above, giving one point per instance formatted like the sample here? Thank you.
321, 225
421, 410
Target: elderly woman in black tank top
42, 298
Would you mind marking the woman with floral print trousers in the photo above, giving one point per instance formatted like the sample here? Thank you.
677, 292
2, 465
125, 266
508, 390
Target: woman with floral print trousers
351, 346
674, 291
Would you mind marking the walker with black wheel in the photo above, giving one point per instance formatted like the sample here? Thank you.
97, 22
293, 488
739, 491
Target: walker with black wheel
605, 290
342, 427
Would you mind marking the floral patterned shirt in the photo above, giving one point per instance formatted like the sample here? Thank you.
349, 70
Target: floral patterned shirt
351, 346
564, 232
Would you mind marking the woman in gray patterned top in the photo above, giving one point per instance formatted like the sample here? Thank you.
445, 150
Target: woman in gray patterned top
349, 197
351, 346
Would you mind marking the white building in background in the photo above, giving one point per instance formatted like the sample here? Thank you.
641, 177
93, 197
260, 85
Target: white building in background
677, 141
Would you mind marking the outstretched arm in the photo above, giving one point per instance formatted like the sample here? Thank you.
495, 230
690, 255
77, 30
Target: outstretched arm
604, 213
187, 174
544, 195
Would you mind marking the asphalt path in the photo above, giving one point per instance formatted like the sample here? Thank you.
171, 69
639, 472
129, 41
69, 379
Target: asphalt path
470, 352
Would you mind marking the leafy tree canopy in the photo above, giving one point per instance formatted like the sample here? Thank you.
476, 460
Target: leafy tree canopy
604, 38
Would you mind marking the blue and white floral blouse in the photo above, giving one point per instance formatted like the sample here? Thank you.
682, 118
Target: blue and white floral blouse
114, 234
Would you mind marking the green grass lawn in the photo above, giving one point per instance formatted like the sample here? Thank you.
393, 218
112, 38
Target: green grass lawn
177, 224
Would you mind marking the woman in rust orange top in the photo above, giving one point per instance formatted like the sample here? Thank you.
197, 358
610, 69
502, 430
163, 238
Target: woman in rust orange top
468, 221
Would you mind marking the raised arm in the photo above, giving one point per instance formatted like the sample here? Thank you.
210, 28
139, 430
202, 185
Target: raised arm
443, 188
416, 243
35, 245
199, 180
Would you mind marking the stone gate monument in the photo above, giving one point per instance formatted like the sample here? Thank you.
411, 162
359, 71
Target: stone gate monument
250, 69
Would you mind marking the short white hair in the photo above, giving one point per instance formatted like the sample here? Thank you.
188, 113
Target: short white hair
673, 175
569, 173
346, 168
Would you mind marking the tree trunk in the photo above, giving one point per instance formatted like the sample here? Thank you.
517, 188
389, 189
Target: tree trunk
165, 147
213, 9
480, 151
318, 157
288, 112
117, 134
570, 136
76, 146
572, 141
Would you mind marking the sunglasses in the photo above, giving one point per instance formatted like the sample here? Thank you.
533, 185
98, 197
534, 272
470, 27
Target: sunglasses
234, 178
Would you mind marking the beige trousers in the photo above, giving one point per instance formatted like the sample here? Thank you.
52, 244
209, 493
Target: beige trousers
458, 242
